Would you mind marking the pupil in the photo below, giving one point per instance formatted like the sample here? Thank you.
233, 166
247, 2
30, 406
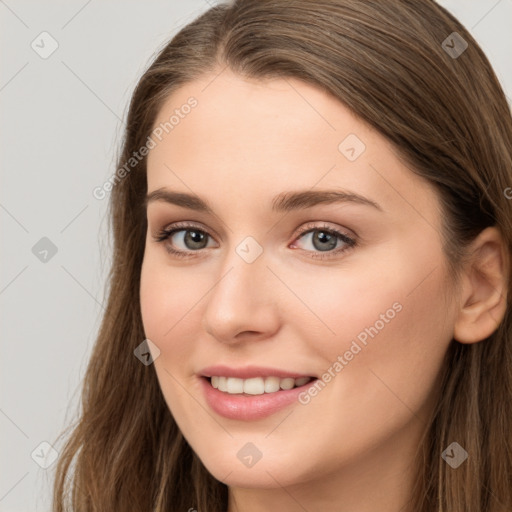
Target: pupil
324, 237
194, 237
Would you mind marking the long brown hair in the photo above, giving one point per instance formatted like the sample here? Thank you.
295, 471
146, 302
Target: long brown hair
450, 122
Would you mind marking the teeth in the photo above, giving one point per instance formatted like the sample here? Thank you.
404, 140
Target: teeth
272, 384
301, 381
256, 385
234, 386
287, 383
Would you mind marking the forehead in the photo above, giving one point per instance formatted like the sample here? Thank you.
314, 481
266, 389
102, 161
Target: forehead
244, 115
252, 139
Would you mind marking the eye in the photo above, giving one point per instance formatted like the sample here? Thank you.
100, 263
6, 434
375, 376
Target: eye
189, 236
325, 239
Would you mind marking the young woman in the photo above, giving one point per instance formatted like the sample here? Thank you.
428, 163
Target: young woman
309, 306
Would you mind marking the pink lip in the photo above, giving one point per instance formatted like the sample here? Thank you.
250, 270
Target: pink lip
249, 372
246, 407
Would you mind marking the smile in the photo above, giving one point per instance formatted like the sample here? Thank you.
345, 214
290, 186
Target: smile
253, 398
256, 385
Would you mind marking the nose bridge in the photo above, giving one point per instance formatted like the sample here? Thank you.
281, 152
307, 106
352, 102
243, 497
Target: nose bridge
240, 299
242, 269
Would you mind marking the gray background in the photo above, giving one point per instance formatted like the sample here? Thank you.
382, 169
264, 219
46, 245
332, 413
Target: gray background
62, 119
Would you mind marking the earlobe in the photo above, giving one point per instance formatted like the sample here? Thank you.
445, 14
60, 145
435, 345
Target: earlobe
483, 300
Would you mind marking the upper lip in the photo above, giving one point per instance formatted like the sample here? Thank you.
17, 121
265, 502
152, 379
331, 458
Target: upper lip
248, 372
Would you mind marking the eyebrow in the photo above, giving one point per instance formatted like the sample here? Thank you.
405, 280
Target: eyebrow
284, 202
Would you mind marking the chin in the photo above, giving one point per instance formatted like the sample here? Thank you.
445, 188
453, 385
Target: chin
264, 474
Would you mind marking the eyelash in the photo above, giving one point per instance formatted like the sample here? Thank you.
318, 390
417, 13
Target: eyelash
166, 233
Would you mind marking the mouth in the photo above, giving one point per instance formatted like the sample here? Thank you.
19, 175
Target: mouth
256, 385
252, 393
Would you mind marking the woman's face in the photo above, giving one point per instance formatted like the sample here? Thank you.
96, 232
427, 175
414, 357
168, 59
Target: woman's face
265, 286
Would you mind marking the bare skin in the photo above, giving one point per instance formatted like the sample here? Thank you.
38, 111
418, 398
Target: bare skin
352, 446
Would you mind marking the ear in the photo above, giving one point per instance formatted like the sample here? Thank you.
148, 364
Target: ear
484, 287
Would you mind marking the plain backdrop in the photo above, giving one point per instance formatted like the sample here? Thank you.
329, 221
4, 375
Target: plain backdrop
62, 119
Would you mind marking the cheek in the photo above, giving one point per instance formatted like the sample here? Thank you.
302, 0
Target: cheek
166, 294
388, 350
382, 329
165, 298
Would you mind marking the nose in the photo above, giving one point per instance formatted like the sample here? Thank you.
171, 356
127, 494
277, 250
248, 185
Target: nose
242, 303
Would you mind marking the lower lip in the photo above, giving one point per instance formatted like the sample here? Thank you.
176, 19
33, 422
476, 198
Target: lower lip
250, 407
